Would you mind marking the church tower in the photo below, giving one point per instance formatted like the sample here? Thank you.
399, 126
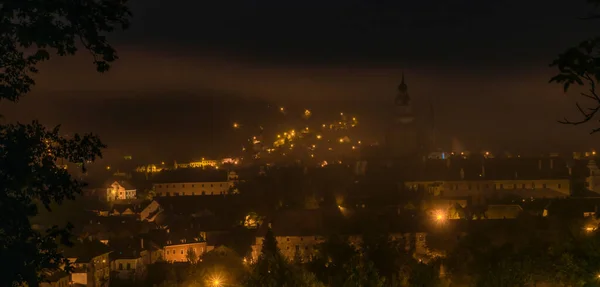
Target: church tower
402, 138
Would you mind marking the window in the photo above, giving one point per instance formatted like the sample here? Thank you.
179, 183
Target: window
203, 193
288, 239
515, 186
160, 186
211, 185
501, 186
212, 193
203, 185
167, 252
559, 185
183, 185
192, 185
297, 247
523, 186
301, 238
128, 266
181, 251
120, 266
220, 185
173, 185
168, 193
533, 185
192, 193
543, 185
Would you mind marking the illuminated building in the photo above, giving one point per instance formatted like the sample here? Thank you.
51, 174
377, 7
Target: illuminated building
197, 185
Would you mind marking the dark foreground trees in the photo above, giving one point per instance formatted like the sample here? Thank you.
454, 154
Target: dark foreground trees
580, 65
30, 32
272, 269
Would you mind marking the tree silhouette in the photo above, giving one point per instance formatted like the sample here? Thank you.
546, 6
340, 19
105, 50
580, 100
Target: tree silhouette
580, 65
31, 31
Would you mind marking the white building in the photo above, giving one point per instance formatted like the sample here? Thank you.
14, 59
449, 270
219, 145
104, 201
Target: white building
118, 190
191, 187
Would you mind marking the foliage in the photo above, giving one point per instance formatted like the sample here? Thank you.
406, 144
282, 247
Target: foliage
274, 270
28, 175
31, 30
191, 256
580, 65
341, 264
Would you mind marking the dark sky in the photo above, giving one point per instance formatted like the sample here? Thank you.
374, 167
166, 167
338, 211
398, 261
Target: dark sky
484, 64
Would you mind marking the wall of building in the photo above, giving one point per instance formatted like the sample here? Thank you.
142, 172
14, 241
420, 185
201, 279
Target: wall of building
129, 268
289, 244
306, 245
192, 188
436, 187
178, 252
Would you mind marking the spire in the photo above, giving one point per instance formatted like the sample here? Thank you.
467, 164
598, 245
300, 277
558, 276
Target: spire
402, 98
403, 88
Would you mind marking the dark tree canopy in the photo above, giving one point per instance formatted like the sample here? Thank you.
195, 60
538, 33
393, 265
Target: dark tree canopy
580, 65
29, 175
30, 31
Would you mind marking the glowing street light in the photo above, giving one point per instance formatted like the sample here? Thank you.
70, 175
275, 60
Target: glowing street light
236, 125
216, 280
439, 216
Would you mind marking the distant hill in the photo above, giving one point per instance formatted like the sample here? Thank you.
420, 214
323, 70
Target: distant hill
176, 125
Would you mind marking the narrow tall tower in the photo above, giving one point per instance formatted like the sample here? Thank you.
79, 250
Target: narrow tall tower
402, 133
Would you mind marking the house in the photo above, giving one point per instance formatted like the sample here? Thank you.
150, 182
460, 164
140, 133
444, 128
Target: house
118, 190
177, 246
188, 182
127, 264
90, 262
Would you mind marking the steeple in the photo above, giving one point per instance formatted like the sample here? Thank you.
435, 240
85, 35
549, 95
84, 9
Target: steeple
403, 88
402, 99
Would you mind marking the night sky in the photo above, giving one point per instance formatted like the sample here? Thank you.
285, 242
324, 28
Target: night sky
484, 65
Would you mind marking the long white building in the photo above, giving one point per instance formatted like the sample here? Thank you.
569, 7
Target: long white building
196, 186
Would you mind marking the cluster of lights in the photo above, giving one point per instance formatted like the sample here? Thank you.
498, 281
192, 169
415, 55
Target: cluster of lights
308, 138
